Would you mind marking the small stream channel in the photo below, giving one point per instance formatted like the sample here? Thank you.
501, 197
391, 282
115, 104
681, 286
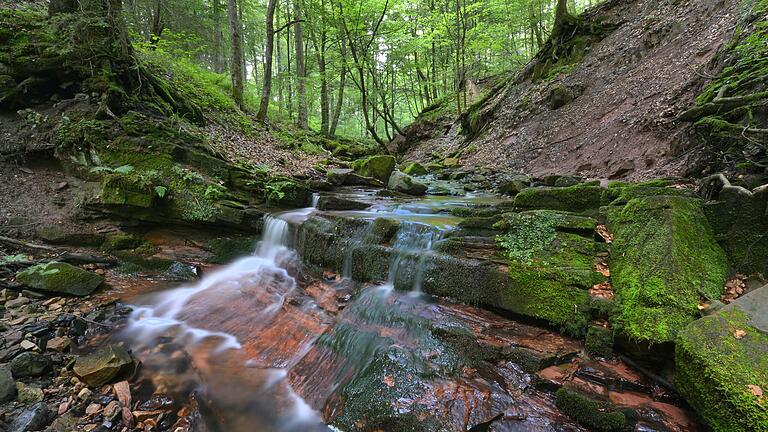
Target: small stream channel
265, 344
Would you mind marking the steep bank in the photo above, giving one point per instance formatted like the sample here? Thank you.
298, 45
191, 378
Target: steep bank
608, 104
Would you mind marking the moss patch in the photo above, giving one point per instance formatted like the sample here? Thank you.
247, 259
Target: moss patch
664, 261
599, 416
715, 370
60, 278
579, 199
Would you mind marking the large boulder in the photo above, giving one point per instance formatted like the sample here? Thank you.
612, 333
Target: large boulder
103, 366
551, 267
29, 364
379, 167
7, 385
401, 182
722, 365
664, 261
60, 278
415, 169
738, 218
348, 177
579, 198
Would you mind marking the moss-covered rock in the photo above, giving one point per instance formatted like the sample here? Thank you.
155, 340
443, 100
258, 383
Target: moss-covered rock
596, 415
226, 250
578, 199
60, 278
741, 227
415, 169
103, 366
332, 202
722, 371
401, 182
379, 167
599, 341
664, 261
551, 266
287, 192
121, 241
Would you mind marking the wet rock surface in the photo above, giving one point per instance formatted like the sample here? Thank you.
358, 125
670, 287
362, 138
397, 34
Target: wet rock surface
348, 332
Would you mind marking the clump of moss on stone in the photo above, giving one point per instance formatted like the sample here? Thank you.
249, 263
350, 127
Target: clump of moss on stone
578, 199
60, 278
599, 416
715, 370
664, 261
599, 341
226, 250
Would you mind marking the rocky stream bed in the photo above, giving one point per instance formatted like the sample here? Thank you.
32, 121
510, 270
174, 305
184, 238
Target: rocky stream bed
501, 303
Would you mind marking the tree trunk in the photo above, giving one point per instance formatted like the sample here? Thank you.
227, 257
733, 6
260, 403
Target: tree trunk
302, 119
342, 84
237, 53
267, 86
218, 56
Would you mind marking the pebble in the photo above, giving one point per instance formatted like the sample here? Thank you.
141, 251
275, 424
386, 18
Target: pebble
17, 302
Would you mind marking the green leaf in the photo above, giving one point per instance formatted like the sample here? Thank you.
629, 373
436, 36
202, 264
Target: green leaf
160, 191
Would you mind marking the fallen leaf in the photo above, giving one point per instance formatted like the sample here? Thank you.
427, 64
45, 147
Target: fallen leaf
755, 390
739, 333
389, 381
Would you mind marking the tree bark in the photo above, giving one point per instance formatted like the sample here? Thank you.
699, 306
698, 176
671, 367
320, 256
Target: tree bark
218, 56
56, 7
342, 84
270, 43
302, 120
237, 53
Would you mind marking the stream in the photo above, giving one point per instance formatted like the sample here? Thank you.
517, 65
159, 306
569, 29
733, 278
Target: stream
265, 344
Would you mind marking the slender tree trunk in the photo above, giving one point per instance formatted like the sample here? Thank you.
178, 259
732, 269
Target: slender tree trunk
157, 25
267, 85
342, 84
218, 55
237, 53
303, 118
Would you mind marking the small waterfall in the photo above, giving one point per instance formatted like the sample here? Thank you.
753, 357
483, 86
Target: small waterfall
315, 200
412, 239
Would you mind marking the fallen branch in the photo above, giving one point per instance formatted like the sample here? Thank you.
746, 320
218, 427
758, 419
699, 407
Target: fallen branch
26, 245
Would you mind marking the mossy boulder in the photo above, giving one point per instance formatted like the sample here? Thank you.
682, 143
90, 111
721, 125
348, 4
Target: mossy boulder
401, 182
665, 260
226, 250
60, 278
379, 167
722, 371
551, 266
621, 192
121, 241
597, 415
740, 224
123, 190
559, 96
578, 199
514, 185
287, 192
415, 169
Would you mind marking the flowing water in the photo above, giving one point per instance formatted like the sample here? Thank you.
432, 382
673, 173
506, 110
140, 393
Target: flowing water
271, 348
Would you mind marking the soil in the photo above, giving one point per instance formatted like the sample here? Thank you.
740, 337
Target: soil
629, 89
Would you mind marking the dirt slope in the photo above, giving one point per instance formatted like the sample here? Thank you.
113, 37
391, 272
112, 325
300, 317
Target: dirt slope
627, 92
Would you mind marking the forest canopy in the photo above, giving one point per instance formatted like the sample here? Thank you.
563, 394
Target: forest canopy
347, 67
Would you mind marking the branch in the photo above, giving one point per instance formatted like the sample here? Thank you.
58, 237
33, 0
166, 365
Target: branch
26, 245
288, 24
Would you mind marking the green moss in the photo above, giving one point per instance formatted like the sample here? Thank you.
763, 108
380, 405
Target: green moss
599, 416
226, 250
664, 261
286, 192
120, 241
715, 368
579, 199
415, 169
60, 278
550, 271
379, 167
599, 341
